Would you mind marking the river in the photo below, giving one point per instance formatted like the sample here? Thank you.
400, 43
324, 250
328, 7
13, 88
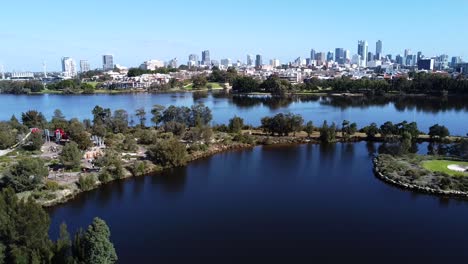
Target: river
425, 111
288, 204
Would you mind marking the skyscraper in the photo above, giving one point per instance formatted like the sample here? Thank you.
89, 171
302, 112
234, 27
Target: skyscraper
84, 66
347, 56
378, 49
249, 60
193, 60
370, 56
68, 67
330, 56
107, 62
206, 60
313, 55
362, 51
340, 55
258, 61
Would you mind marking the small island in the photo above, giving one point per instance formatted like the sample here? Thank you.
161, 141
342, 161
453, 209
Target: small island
442, 175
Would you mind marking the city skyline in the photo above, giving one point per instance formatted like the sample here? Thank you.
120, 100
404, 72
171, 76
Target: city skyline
141, 34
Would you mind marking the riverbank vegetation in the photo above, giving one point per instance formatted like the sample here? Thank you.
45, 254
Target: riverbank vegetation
24, 227
116, 145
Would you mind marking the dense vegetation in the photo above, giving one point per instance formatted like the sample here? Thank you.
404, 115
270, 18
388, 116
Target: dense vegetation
419, 83
24, 236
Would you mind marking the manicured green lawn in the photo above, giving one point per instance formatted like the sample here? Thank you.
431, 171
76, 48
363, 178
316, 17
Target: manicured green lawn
441, 166
214, 85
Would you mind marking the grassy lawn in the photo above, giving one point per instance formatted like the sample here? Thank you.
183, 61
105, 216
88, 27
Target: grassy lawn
441, 166
214, 85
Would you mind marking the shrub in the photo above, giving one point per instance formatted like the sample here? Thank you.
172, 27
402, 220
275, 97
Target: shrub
87, 182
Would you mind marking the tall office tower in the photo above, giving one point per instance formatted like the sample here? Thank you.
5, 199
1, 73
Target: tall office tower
249, 60
206, 60
340, 55
107, 62
193, 60
420, 56
378, 49
258, 61
362, 51
347, 56
68, 67
456, 61
313, 54
407, 52
330, 56
370, 56
84, 66
399, 59
320, 57
275, 63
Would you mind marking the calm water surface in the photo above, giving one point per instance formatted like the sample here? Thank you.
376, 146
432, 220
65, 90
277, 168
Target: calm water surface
298, 204
451, 112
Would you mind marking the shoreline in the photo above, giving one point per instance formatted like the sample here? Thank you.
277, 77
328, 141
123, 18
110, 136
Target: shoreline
414, 187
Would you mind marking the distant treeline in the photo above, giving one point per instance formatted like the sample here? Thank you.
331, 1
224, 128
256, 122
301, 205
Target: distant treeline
20, 87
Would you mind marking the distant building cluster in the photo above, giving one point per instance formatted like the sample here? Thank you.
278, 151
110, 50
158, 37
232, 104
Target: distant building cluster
323, 65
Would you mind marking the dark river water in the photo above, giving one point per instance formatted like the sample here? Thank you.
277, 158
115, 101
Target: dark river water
295, 204
451, 112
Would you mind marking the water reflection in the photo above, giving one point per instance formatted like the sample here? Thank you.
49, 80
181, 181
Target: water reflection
171, 181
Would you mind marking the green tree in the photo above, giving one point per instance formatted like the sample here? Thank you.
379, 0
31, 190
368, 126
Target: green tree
33, 118
199, 81
141, 114
168, 153
25, 175
120, 121
35, 141
77, 132
157, 112
328, 133
7, 135
63, 247
71, 155
58, 120
96, 244
309, 128
236, 124
371, 131
24, 229
437, 132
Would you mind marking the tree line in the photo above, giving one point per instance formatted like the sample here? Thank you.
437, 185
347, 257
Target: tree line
24, 238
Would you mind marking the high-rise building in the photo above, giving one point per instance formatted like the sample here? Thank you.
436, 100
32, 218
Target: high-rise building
455, 61
420, 56
313, 54
330, 56
370, 56
347, 56
193, 60
206, 60
378, 49
173, 63
84, 66
68, 67
362, 51
258, 61
107, 62
249, 60
407, 52
339, 56
426, 64
275, 63
399, 59
320, 58
226, 63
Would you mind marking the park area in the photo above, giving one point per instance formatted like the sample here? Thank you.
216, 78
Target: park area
450, 167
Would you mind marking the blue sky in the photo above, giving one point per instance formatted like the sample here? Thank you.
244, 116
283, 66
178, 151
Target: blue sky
133, 31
